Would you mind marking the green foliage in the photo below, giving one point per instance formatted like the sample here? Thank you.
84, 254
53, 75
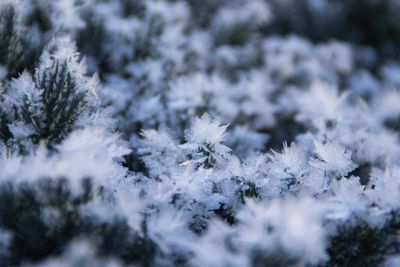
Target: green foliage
44, 216
364, 245
22, 209
236, 35
249, 190
62, 103
40, 16
11, 42
18, 50
276, 259
367, 22
5, 133
226, 214
48, 105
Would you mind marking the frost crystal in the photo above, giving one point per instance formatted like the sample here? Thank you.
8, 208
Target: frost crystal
332, 158
199, 133
204, 141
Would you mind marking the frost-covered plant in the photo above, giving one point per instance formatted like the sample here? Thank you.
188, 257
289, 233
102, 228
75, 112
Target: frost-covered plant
199, 133
50, 104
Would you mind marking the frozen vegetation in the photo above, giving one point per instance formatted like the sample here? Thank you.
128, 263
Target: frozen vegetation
218, 133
